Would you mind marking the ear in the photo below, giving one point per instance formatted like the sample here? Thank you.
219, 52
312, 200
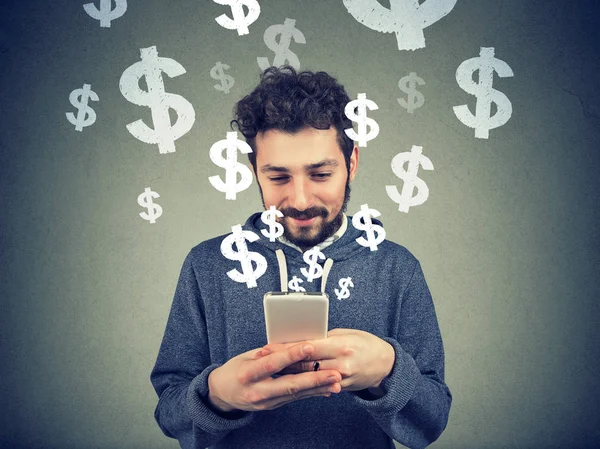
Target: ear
353, 162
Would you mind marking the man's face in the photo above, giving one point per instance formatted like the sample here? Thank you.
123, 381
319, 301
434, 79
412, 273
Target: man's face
304, 176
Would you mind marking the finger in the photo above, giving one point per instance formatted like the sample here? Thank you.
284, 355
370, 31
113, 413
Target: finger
275, 362
294, 384
291, 388
272, 404
262, 353
273, 347
303, 367
322, 391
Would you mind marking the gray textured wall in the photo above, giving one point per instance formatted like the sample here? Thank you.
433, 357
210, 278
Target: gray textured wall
506, 238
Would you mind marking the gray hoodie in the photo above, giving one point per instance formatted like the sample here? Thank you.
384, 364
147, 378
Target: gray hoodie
214, 318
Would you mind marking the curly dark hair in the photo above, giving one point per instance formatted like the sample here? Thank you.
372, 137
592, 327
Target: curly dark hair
289, 101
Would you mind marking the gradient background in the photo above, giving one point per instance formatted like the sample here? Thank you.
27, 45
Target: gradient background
507, 238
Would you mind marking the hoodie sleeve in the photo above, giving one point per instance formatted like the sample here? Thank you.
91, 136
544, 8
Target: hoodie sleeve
180, 375
415, 406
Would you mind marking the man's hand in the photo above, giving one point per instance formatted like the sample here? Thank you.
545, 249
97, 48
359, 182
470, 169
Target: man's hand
363, 359
245, 381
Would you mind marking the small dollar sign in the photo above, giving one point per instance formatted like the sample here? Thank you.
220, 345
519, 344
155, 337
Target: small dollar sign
240, 21
406, 18
406, 198
105, 14
407, 85
151, 67
282, 49
217, 73
362, 220
248, 275
356, 110
344, 291
314, 270
145, 200
275, 228
294, 284
231, 165
85, 115
482, 121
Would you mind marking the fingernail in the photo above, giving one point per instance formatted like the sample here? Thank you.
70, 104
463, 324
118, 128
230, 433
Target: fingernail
332, 379
307, 349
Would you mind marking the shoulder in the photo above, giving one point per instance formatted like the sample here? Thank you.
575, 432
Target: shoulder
398, 250
206, 250
398, 255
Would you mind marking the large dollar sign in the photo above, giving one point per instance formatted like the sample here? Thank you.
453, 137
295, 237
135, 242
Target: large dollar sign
248, 275
344, 291
356, 110
85, 115
151, 67
362, 221
415, 158
240, 22
407, 85
105, 14
275, 228
282, 49
218, 73
154, 210
294, 284
482, 121
231, 165
314, 270
406, 18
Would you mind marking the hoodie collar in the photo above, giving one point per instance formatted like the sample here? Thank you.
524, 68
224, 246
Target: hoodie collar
345, 247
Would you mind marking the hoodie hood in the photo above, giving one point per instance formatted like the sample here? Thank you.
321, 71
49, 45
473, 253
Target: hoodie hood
345, 247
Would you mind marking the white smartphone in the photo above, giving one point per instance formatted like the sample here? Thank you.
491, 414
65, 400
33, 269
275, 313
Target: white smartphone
296, 316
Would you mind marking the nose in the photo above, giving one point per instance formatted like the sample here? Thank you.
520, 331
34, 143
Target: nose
300, 196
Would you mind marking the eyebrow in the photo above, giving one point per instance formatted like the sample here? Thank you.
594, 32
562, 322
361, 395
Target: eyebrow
324, 163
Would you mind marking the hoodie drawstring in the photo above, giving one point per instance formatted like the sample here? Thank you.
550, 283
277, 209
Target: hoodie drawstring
282, 270
326, 268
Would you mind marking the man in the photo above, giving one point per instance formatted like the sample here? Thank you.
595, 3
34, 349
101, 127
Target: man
379, 374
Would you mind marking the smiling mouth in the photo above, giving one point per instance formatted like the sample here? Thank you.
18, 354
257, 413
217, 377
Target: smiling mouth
304, 222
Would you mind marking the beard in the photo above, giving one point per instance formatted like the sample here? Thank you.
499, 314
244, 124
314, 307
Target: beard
304, 238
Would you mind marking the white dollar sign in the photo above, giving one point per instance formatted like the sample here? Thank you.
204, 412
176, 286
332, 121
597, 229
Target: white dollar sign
105, 14
414, 158
145, 200
282, 49
164, 134
232, 167
360, 116
248, 275
240, 21
407, 85
344, 291
275, 228
362, 220
406, 18
85, 115
314, 270
482, 121
294, 284
218, 73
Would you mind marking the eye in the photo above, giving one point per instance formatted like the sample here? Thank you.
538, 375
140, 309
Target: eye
278, 179
321, 176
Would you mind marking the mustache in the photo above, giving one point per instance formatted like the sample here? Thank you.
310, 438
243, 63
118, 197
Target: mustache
306, 214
